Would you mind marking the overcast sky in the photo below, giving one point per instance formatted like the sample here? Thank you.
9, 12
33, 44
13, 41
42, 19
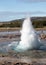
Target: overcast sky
14, 9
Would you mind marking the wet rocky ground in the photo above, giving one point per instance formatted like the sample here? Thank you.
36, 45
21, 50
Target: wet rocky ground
28, 58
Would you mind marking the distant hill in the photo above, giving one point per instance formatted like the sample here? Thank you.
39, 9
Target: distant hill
39, 18
37, 22
32, 18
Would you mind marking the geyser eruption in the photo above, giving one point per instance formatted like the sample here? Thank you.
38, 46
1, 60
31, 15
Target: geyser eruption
29, 39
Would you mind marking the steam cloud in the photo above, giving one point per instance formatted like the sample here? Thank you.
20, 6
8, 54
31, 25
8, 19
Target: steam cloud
29, 39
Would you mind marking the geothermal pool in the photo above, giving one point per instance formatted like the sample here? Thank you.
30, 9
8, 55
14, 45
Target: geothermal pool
27, 54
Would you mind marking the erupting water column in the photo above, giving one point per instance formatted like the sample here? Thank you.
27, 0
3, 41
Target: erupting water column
29, 39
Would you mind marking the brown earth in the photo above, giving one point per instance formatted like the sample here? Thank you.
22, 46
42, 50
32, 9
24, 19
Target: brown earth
15, 61
14, 29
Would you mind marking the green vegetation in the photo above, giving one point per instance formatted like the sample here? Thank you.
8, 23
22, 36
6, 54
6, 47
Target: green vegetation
38, 22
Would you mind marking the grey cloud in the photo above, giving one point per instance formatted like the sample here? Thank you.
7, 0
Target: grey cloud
29, 1
20, 13
15, 15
